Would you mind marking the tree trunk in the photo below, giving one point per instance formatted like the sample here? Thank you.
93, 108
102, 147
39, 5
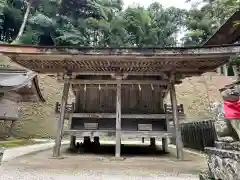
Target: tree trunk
23, 25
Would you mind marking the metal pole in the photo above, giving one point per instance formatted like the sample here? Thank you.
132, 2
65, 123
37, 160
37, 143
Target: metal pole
118, 119
59, 134
178, 136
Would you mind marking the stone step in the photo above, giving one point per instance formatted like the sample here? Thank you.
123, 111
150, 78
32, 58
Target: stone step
223, 164
235, 146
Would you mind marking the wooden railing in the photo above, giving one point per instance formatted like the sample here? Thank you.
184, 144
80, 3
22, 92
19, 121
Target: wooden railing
168, 108
69, 108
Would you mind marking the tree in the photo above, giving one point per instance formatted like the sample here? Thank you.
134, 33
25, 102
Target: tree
88, 23
199, 27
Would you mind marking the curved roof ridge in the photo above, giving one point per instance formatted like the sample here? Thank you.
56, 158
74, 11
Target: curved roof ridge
14, 80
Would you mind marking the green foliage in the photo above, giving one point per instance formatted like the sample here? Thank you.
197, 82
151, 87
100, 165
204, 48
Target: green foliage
30, 37
104, 23
90, 23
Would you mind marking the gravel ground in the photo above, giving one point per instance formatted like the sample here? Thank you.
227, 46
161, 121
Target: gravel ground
45, 174
101, 166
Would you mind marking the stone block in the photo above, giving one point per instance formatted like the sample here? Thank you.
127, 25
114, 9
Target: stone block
205, 175
235, 146
223, 164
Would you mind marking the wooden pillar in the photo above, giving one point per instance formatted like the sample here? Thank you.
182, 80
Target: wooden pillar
72, 142
77, 101
59, 134
165, 144
179, 143
118, 119
219, 72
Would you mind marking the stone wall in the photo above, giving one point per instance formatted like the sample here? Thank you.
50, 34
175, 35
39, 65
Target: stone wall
9, 109
198, 93
39, 119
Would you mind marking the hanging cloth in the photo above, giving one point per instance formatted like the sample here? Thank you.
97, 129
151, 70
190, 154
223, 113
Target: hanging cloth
232, 109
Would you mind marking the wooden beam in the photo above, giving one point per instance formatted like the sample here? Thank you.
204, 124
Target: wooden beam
158, 82
58, 139
102, 73
80, 87
148, 134
118, 118
125, 116
190, 71
175, 115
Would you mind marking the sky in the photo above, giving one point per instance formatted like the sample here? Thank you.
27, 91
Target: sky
166, 3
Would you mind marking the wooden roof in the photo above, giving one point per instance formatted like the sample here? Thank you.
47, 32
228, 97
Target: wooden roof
22, 82
230, 86
144, 61
228, 33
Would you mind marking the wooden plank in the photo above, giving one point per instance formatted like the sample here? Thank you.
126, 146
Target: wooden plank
118, 119
157, 134
57, 146
127, 116
175, 115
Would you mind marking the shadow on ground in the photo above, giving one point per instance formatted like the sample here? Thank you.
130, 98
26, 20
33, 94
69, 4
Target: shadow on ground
126, 150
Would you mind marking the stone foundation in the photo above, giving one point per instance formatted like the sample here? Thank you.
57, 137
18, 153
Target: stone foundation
205, 176
223, 162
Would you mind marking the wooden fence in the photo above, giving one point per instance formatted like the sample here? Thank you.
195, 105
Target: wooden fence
198, 135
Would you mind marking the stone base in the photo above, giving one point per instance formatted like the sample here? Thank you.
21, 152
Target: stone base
234, 146
117, 159
59, 157
224, 164
205, 176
